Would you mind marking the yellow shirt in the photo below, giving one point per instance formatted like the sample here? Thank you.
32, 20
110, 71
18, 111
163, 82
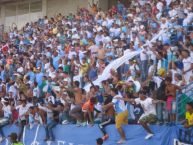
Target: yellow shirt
54, 30
84, 68
189, 118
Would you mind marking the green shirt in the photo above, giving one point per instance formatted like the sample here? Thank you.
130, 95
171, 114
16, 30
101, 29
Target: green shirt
19, 143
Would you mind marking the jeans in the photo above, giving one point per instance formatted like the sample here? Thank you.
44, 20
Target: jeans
21, 126
144, 69
4, 122
160, 108
49, 131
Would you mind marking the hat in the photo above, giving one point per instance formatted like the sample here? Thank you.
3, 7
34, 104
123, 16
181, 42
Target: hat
161, 72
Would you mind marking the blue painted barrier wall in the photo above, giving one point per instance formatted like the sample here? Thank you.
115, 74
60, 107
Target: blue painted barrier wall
72, 135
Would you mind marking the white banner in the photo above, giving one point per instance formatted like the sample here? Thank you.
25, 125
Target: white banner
118, 62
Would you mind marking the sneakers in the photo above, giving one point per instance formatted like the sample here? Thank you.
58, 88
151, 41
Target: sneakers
65, 122
78, 124
105, 137
148, 136
84, 124
121, 141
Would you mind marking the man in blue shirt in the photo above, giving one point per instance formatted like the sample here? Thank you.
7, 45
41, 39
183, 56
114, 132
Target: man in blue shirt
39, 77
2, 74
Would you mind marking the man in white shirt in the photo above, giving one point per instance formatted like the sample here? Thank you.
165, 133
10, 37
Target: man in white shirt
6, 116
22, 109
149, 108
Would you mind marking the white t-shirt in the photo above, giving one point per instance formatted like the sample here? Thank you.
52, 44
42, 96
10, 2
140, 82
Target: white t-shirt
22, 110
134, 68
187, 62
159, 6
157, 80
143, 56
47, 65
173, 74
7, 111
119, 105
147, 105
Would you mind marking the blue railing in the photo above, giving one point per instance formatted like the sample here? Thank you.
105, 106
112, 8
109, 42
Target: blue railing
182, 98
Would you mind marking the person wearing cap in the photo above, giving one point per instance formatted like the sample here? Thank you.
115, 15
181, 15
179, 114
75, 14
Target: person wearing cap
14, 139
7, 115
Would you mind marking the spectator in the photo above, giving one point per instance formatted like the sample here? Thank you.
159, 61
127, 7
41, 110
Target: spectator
47, 67
171, 98
88, 110
149, 115
122, 113
14, 140
7, 114
188, 125
189, 115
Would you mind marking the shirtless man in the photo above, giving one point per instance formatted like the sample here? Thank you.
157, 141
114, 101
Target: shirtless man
170, 92
76, 111
101, 52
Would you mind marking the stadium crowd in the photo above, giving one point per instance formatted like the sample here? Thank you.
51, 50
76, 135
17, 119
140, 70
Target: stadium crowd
38, 65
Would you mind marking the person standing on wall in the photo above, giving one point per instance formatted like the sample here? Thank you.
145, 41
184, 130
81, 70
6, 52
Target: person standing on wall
121, 111
148, 105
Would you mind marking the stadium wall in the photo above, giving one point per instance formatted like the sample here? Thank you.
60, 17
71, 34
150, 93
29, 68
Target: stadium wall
23, 11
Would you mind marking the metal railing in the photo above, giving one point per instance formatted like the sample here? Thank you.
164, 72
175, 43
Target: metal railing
182, 98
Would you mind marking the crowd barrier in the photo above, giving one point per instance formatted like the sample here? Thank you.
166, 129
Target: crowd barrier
72, 135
